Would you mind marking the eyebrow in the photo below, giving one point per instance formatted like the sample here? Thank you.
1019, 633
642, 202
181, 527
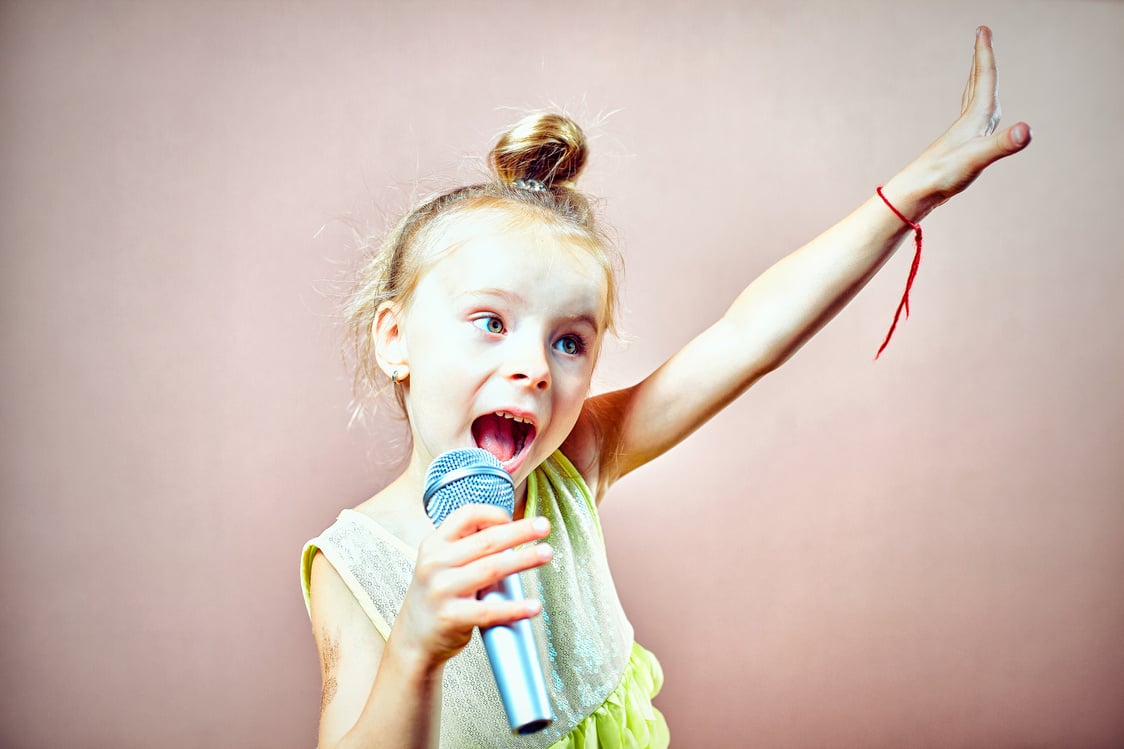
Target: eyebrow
508, 296
586, 318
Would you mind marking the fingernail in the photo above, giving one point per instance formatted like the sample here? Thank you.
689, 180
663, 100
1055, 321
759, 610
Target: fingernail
542, 525
545, 552
979, 30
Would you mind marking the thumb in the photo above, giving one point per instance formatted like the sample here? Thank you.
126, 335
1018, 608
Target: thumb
1002, 144
1016, 138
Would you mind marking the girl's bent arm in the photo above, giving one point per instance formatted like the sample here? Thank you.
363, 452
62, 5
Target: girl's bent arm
779, 311
359, 671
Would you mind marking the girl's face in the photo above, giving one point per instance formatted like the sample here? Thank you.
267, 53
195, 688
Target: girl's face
501, 336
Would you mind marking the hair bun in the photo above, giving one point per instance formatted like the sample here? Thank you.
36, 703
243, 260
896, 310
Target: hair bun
542, 147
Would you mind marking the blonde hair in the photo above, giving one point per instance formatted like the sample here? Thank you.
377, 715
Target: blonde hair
536, 164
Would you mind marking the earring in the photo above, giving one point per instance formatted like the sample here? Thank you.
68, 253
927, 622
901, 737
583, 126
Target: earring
394, 377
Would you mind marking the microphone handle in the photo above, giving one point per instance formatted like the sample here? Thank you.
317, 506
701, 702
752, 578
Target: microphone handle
515, 664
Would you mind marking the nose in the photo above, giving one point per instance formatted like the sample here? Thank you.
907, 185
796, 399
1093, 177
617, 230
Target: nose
529, 365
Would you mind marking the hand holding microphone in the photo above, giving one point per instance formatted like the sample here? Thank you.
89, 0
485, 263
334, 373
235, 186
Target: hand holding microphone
473, 477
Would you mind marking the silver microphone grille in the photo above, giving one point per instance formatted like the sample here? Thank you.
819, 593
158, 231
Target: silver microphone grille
468, 475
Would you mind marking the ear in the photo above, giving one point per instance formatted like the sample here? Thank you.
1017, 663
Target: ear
390, 345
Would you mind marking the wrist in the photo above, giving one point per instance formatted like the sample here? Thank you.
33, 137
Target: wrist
411, 662
916, 204
914, 192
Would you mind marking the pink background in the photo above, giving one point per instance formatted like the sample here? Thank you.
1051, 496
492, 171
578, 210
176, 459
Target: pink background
924, 551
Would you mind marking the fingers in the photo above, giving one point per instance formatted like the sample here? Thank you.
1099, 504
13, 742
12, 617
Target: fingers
469, 613
462, 586
474, 549
471, 551
476, 530
471, 518
970, 86
468, 579
981, 95
492, 613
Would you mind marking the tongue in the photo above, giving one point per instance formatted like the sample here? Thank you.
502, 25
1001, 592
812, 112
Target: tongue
493, 433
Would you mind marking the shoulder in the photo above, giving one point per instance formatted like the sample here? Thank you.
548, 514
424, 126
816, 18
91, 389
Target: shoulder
592, 444
331, 602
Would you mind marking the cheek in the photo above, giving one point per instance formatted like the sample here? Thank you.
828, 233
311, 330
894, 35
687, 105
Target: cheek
573, 388
437, 350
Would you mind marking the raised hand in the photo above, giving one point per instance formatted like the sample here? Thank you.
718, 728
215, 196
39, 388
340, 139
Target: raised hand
464, 555
973, 142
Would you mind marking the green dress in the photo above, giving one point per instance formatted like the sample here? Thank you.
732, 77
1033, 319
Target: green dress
601, 682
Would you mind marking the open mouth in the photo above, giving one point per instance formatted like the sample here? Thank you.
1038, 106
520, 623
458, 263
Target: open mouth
503, 434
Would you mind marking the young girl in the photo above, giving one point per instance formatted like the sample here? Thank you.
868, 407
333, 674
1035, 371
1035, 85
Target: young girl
486, 309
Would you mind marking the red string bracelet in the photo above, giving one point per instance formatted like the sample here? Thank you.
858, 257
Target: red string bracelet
904, 303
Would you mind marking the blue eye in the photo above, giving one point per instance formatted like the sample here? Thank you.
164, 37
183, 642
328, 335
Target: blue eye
489, 324
571, 345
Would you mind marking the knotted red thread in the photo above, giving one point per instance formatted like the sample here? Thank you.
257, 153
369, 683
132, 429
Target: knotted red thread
904, 303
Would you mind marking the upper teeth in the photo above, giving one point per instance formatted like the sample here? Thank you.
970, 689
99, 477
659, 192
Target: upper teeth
513, 417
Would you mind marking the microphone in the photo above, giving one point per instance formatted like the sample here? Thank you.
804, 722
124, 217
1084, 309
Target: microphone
460, 477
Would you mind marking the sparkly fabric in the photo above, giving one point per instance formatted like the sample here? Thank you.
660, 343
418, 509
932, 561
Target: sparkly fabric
627, 719
600, 682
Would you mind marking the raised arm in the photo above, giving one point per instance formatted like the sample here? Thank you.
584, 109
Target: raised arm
779, 311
